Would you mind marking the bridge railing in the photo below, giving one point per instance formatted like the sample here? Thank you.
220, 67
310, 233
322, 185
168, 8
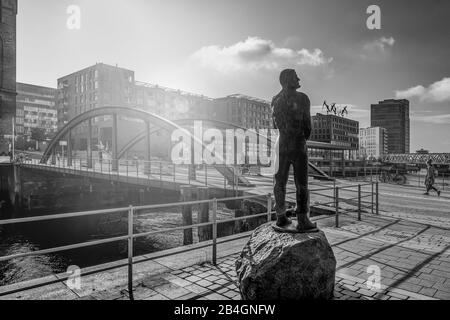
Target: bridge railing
337, 197
140, 170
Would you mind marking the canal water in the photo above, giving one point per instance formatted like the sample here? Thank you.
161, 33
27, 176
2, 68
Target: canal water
29, 237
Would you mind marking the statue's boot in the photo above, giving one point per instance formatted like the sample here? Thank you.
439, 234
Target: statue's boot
282, 219
304, 224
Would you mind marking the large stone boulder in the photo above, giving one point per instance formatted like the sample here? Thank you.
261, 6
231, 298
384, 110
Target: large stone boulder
283, 266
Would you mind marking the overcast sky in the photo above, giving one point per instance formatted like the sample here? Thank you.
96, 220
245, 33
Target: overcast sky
217, 48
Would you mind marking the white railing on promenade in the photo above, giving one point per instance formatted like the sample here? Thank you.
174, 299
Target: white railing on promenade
336, 202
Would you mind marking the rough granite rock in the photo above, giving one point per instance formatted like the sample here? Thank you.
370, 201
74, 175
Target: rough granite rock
282, 266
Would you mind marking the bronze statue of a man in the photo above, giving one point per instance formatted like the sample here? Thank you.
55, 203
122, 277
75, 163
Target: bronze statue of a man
292, 117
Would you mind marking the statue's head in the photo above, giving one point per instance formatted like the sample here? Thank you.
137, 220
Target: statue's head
289, 79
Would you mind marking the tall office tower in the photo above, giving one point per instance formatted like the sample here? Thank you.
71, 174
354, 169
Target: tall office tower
393, 115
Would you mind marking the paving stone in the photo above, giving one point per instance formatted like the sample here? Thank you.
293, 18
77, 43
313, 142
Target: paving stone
216, 296
442, 295
212, 278
222, 281
396, 295
171, 291
193, 279
204, 283
430, 292
366, 292
157, 297
196, 289
350, 293
409, 287
214, 286
189, 296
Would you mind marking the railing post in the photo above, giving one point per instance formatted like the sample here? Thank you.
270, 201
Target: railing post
160, 171
204, 233
372, 197
186, 196
359, 202
214, 217
443, 181
206, 175
269, 207
130, 252
225, 185
137, 168
189, 175
337, 206
174, 173
334, 190
377, 199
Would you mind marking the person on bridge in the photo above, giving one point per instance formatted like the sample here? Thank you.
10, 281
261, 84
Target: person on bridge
430, 179
292, 117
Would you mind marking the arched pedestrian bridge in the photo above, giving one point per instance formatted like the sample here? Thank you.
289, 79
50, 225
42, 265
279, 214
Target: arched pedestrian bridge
149, 134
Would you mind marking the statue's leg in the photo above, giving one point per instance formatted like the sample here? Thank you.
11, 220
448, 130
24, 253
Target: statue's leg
301, 184
281, 179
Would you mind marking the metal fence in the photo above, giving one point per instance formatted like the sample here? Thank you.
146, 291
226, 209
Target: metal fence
136, 171
442, 180
334, 192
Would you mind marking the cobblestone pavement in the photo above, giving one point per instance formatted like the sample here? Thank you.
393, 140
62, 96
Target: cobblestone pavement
413, 257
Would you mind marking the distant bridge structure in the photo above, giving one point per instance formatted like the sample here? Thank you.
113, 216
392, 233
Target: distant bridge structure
416, 158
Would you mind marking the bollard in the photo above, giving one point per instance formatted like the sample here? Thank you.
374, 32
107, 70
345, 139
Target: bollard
336, 196
359, 202
214, 216
204, 233
186, 196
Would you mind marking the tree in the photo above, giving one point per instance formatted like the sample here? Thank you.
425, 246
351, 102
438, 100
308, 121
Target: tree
38, 134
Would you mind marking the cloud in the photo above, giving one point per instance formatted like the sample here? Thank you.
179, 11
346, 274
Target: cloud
437, 92
379, 44
257, 54
436, 119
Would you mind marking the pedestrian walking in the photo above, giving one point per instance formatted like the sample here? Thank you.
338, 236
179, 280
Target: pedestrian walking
430, 179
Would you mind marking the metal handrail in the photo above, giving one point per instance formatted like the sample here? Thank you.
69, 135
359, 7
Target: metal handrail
133, 211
